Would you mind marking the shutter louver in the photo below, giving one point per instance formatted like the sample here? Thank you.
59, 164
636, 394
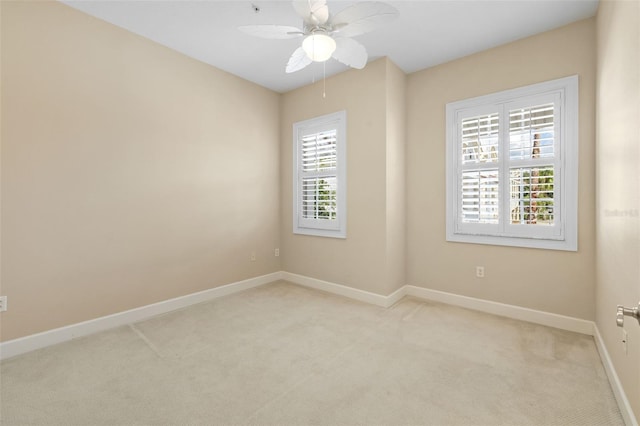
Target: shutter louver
319, 152
512, 167
532, 137
319, 198
320, 176
531, 132
480, 196
532, 195
479, 189
480, 139
319, 160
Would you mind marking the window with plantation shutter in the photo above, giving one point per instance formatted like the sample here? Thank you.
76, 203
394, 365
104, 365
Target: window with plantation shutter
512, 167
319, 193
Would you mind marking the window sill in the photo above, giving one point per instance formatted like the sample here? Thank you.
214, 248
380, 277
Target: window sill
320, 232
545, 244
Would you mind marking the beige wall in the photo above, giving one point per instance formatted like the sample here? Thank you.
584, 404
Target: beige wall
360, 260
396, 182
553, 281
130, 173
618, 166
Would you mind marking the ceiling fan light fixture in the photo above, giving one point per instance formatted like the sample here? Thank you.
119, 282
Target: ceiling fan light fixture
319, 47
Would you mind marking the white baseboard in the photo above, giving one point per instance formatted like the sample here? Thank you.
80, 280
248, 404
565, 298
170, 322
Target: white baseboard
614, 380
510, 311
25, 344
342, 290
36, 341
395, 297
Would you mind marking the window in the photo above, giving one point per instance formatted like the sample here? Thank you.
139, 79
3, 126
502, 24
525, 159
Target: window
512, 167
319, 170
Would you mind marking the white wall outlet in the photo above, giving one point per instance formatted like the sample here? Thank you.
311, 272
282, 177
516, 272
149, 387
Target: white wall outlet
625, 338
276, 252
253, 256
3, 303
480, 271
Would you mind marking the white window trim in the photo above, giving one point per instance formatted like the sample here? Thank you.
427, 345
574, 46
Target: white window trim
337, 121
567, 237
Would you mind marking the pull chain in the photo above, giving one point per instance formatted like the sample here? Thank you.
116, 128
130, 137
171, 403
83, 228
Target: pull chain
324, 79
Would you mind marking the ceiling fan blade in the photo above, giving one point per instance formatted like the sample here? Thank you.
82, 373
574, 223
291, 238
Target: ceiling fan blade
362, 18
297, 61
314, 12
271, 31
350, 52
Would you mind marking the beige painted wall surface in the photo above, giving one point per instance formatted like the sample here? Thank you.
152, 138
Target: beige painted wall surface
130, 174
359, 261
618, 182
553, 281
396, 182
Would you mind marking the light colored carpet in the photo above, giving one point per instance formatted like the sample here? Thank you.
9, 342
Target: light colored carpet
282, 354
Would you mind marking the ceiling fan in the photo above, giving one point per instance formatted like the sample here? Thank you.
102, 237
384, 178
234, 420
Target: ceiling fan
324, 35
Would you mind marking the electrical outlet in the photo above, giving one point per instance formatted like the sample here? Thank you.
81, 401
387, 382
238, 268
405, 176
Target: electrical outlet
480, 271
253, 256
3, 303
276, 252
625, 338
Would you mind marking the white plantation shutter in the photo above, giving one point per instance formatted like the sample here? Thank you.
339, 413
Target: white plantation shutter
531, 128
319, 166
479, 136
319, 151
532, 172
479, 177
479, 196
534, 169
532, 197
512, 167
319, 163
320, 198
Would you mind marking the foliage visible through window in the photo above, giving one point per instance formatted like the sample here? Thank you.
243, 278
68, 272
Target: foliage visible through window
531, 136
510, 157
532, 196
319, 194
319, 198
319, 149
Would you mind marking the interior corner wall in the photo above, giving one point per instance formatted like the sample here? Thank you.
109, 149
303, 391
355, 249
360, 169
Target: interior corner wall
358, 261
131, 174
552, 281
396, 178
618, 185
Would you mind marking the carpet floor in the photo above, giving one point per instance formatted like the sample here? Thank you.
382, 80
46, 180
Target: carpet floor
282, 354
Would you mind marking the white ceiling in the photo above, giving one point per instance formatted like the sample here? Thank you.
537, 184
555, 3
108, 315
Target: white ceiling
427, 33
